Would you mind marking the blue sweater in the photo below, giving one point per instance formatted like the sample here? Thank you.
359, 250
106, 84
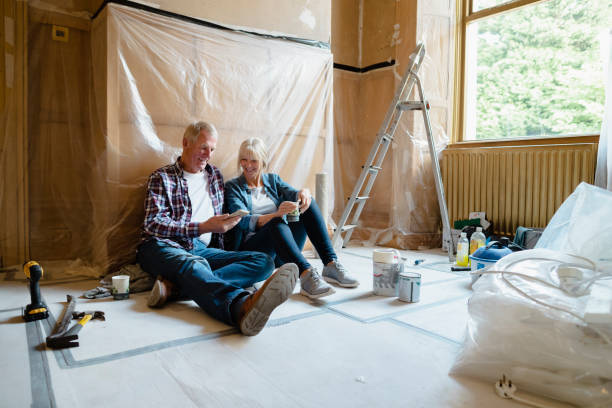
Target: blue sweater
238, 197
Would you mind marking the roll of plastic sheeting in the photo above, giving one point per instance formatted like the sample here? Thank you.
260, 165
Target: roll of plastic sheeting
321, 194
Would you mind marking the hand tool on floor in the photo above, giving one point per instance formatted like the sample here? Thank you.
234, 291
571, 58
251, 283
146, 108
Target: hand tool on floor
66, 338
62, 336
62, 326
36, 310
97, 314
76, 328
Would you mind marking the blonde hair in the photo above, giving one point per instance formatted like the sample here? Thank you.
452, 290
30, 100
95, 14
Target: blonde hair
253, 148
193, 131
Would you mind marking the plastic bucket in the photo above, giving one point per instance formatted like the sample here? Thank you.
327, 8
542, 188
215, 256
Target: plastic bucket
485, 257
481, 263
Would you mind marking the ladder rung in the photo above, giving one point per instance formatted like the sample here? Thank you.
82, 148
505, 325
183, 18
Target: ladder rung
410, 105
387, 138
374, 169
361, 198
346, 227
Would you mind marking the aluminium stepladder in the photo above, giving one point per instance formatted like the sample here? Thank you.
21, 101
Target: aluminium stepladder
384, 138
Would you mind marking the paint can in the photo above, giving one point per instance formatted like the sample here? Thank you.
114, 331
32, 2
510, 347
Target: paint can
386, 270
409, 287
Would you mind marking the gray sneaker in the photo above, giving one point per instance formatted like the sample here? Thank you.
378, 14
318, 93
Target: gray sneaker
257, 307
312, 286
336, 273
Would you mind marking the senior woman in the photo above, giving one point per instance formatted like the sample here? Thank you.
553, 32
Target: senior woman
269, 199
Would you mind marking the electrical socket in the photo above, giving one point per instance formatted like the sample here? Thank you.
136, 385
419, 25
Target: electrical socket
60, 33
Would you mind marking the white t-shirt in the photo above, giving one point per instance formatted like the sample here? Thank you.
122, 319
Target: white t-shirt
261, 203
201, 204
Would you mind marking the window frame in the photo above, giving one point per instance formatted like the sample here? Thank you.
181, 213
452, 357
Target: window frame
464, 17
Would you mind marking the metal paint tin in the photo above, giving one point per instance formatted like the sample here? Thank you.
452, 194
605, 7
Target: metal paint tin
409, 287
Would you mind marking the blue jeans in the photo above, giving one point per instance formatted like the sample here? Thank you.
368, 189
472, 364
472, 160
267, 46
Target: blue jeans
212, 277
284, 241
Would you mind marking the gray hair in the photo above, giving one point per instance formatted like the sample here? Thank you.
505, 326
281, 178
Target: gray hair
253, 148
193, 131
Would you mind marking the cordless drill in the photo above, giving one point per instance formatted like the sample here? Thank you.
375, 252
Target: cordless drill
37, 309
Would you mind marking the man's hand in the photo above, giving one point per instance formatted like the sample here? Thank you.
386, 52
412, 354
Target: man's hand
305, 198
219, 224
285, 208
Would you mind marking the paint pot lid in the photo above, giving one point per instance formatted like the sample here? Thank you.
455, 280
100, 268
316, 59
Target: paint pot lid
492, 252
389, 256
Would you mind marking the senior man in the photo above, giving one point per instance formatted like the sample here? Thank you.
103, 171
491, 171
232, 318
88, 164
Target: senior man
182, 242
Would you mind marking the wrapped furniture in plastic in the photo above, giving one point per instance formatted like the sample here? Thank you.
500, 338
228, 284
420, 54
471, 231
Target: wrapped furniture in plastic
543, 317
582, 225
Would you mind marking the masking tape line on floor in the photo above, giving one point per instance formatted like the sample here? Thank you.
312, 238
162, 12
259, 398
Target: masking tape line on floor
414, 308
40, 376
418, 308
439, 266
361, 296
147, 349
289, 319
65, 358
426, 332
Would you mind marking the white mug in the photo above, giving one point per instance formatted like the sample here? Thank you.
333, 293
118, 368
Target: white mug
121, 286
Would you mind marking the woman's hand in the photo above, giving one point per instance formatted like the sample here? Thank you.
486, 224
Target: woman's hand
305, 198
285, 208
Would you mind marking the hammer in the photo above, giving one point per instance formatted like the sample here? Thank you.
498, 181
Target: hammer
62, 326
64, 338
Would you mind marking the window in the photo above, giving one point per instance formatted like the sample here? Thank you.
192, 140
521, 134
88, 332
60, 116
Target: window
531, 68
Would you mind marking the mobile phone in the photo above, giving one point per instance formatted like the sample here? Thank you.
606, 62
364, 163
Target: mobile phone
238, 213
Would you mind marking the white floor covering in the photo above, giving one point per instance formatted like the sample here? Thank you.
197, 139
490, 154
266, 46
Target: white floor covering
351, 349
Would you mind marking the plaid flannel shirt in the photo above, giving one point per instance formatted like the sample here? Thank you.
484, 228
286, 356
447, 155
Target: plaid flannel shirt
168, 207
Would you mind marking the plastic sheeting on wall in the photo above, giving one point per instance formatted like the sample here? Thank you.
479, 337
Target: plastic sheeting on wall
113, 105
12, 130
403, 209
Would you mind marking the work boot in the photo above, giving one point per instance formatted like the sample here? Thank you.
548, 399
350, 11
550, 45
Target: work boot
312, 286
257, 307
336, 273
162, 290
